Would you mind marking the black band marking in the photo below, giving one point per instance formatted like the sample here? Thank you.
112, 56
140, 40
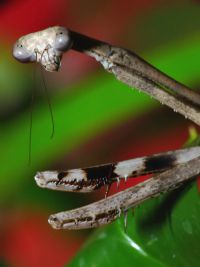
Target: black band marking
61, 175
104, 171
158, 163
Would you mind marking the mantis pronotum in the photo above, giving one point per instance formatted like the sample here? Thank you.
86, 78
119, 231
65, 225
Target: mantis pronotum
174, 167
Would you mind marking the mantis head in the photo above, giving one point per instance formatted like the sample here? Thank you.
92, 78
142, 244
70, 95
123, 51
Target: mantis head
46, 47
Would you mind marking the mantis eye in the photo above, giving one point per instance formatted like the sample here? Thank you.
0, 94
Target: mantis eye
21, 54
63, 40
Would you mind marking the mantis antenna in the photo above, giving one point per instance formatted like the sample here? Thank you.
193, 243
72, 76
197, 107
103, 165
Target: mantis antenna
45, 47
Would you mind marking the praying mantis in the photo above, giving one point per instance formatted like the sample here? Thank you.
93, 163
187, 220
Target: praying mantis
173, 167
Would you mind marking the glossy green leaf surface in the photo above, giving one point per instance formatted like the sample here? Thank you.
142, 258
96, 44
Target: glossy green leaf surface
168, 227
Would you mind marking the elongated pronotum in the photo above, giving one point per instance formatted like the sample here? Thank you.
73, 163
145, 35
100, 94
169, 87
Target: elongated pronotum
174, 167
47, 47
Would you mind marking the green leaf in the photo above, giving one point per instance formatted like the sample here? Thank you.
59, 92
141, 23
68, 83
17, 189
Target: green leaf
112, 246
168, 228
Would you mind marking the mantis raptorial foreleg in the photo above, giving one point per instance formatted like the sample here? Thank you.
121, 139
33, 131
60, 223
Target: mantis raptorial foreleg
89, 179
109, 209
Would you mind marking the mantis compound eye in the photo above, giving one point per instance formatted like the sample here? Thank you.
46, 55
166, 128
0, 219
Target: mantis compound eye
63, 40
21, 54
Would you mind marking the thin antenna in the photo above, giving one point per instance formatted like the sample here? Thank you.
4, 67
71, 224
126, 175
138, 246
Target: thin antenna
48, 102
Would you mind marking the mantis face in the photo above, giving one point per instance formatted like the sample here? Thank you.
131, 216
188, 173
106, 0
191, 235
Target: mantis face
45, 47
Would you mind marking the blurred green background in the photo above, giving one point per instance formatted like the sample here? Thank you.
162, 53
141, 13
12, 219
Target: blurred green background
97, 119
